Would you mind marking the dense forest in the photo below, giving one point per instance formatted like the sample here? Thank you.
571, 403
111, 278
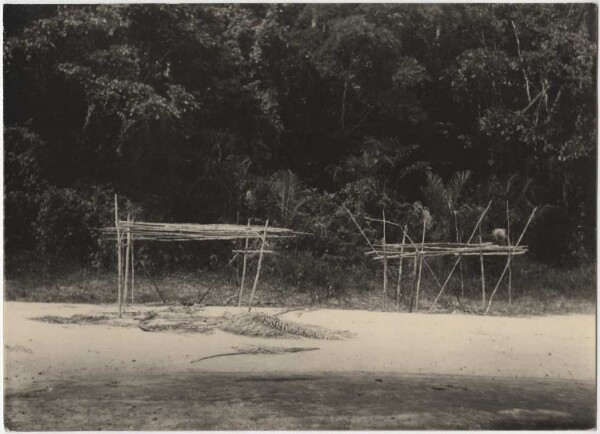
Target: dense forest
219, 113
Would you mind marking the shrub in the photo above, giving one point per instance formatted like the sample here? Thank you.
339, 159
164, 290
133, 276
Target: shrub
65, 220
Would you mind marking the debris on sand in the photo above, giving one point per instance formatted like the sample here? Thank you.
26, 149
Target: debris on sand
259, 349
188, 320
18, 349
162, 325
268, 326
75, 319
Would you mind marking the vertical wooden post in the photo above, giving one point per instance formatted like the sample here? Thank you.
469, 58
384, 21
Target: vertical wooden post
119, 261
420, 263
127, 254
132, 271
244, 270
399, 285
460, 269
414, 281
482, 272
260, 257
458, 260
385, 268
509, 262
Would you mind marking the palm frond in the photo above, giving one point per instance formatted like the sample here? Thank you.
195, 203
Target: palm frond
455, 187
289, 191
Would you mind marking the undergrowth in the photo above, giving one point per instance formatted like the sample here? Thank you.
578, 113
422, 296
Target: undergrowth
536, 289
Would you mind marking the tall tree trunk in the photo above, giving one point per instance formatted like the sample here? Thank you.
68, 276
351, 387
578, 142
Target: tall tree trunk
344, 103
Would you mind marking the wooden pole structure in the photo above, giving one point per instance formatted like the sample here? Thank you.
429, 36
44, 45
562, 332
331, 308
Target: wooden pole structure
127, 254
260, 257
508, 242
460, 268
399, 285
424, 260
385, 269
360, 229
482, 273
458, 260
414, 282
508, 262
244, 265
132, 271
420, 263
119, 261
153, 282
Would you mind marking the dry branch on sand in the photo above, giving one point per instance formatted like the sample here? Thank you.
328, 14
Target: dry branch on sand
256, 350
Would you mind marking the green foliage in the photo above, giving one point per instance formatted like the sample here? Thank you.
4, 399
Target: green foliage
290, 194
65, 217
208, 113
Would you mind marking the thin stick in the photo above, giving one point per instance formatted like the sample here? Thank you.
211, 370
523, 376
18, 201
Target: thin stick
237, 245
424, 260
460, 268
414, 282
508, 263
482, 274
132, 272
127, 255
119, 260
257, 351
509, 267
360, 229
244, 270
260, 257
212, 285
385, 268
458, 260
399, 285
420, 264
153, 282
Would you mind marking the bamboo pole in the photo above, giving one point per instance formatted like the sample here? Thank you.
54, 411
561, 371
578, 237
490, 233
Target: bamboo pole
153, 282
132, 271
127, 254
458, 260
508, 262
439, 254
399, 285
119, 260
360, 229
260, 257
460, 268
508, 242
482, 274
385, 269
414, 283
424, 260
244, 265
420, 263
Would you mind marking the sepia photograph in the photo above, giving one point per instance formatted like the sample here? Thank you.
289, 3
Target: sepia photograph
300, 216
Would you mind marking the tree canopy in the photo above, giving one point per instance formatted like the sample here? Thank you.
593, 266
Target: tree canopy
207, 113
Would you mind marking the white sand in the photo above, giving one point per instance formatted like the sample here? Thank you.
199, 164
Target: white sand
559, 347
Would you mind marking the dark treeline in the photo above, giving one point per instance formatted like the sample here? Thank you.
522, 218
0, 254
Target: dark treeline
217, 113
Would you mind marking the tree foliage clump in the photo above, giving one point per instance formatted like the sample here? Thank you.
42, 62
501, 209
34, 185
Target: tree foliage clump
209, 113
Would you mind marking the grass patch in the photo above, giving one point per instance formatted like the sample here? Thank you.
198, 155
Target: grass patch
537, 289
